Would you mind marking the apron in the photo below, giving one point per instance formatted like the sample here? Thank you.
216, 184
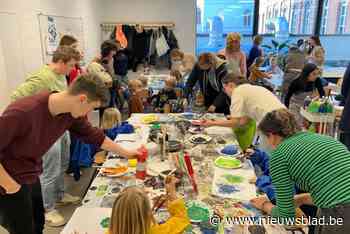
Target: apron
296, 102
233, 66
245, 134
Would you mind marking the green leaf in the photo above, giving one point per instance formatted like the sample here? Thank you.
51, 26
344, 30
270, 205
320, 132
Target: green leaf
275, 43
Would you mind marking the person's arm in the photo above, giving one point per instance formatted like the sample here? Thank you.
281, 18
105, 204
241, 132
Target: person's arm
284, 187
303, 199
12, 126
291, 90
31, 86
92, 135
319, 87
243, 65
345, 87
191, 81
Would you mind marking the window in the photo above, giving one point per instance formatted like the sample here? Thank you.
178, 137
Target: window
342, 17
247, 18
335, 18
298, 15
324, 17
216, 18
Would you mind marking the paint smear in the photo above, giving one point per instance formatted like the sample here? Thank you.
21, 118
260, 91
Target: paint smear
233, 179
227, 189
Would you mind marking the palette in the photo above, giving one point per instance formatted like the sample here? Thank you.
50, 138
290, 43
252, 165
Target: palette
200, 139
198, 211
114, 171
227, 162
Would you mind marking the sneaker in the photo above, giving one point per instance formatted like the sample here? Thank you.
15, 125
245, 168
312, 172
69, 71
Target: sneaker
68, 199
54, 219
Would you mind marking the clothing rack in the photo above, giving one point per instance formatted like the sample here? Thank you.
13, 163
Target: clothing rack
109, 26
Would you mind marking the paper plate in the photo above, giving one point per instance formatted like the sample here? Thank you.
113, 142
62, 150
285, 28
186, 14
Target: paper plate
198, 211
118, 171
200, 139
227, 162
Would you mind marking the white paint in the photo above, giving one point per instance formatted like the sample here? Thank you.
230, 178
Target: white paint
180, 12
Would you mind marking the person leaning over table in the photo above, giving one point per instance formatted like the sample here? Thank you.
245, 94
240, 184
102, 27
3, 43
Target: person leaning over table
29, 127
318, 164
208, 73
249, 104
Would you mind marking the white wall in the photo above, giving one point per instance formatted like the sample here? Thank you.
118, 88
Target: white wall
21, 37
181, 12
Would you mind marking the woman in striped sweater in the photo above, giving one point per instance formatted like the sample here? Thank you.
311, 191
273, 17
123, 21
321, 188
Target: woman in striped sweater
317, 164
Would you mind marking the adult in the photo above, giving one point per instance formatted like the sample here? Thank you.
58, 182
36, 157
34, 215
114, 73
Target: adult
305, 85
248, 103
256, 51
235, 57
102, 66
208, 72
344, 125
318, 164
295, 62
316, 53
29, 127
71, 41
52, 77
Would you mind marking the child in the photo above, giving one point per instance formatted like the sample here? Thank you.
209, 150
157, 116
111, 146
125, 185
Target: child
145, 94
274, 68
166, 94
135, 101
179, 79
132, 213
257, 76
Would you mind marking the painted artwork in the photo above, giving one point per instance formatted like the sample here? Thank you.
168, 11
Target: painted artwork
52, 38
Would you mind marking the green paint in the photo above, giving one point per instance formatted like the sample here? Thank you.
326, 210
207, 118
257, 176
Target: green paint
101, 190
227, 162
198, 211
105, 222
232, 179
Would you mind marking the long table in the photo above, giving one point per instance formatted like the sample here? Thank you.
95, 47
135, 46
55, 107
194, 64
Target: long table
96, 205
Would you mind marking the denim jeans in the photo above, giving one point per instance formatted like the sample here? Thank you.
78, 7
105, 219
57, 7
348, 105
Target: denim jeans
55, 163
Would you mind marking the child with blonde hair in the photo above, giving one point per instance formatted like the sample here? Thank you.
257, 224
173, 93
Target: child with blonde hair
259, 77
135, 101
132, 213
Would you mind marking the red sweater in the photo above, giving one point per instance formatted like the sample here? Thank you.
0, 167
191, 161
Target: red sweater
28, 130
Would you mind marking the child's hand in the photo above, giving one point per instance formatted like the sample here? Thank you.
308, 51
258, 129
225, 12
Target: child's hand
170, 187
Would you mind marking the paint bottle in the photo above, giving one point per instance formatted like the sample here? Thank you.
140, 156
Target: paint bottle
141, 167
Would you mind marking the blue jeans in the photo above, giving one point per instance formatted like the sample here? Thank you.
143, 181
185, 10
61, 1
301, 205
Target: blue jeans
55, 163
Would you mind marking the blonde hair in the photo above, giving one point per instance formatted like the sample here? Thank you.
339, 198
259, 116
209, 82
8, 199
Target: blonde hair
233, 37
111, 117
131, 213
171, 82
134, 85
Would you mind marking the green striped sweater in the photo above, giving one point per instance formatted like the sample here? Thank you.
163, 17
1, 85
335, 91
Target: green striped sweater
317, 164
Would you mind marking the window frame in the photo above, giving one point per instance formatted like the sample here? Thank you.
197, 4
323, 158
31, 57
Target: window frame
255, 21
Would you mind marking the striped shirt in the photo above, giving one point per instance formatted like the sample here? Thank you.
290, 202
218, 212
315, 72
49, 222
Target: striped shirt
317, 164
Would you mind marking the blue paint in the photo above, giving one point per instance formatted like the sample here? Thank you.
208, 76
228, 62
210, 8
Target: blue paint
227, 189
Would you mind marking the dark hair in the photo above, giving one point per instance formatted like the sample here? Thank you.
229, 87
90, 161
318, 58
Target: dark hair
206, 58
65, 54
67, 40
279, 122
233, 78
92, 86
306, 71
317, 40
300, 42
107, 47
